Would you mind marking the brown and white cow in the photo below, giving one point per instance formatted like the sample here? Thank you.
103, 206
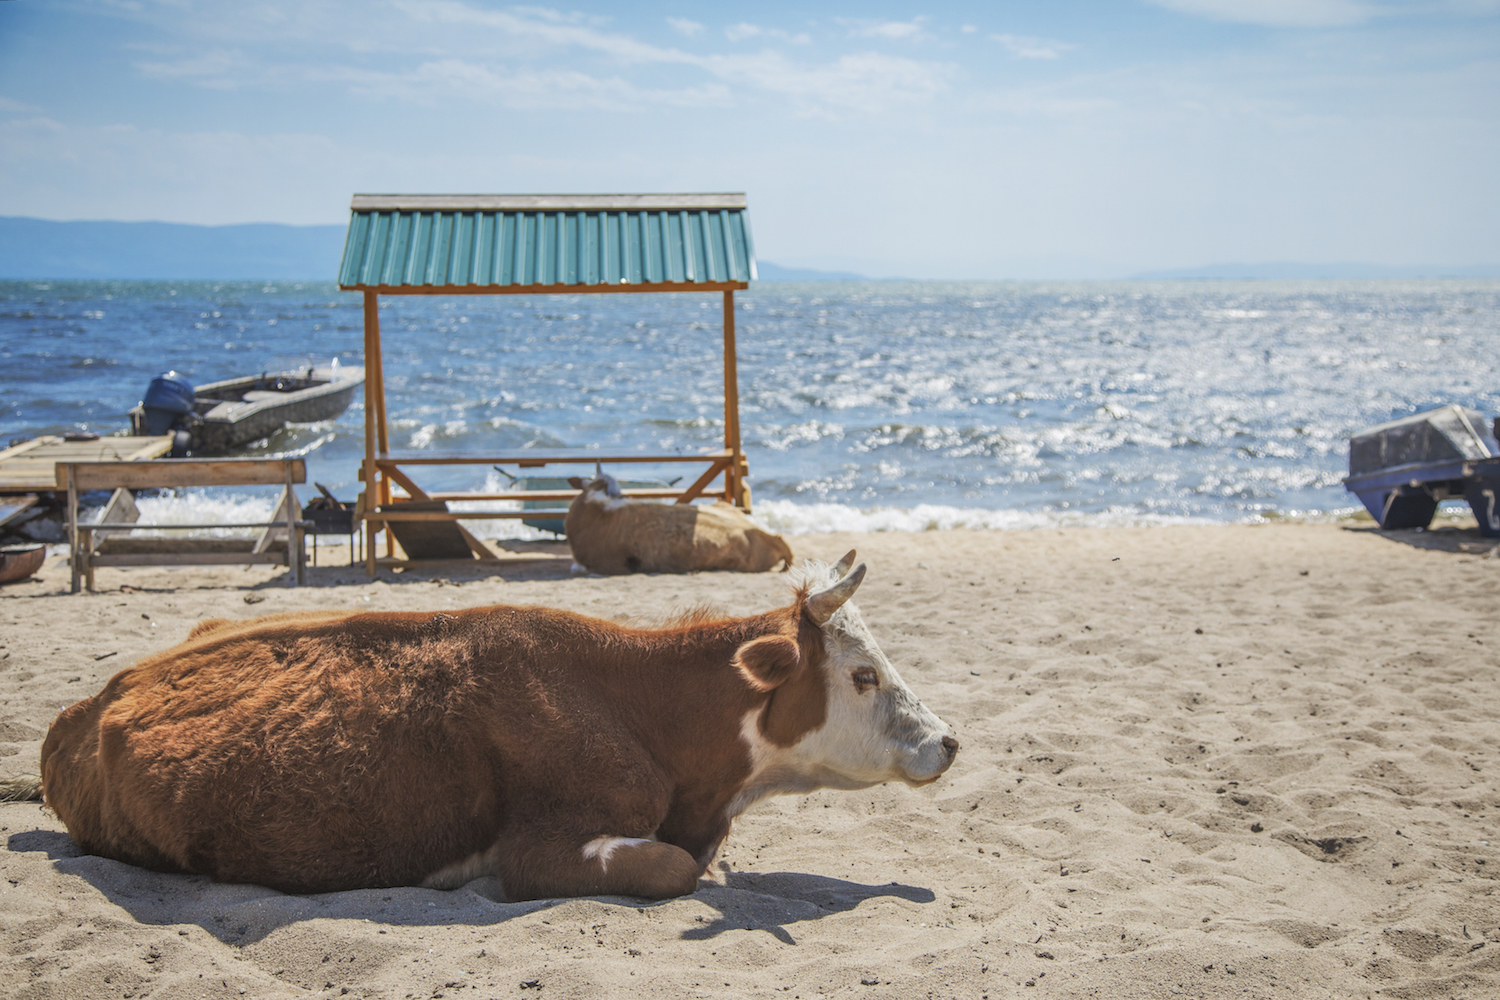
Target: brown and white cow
611, 533
565, 755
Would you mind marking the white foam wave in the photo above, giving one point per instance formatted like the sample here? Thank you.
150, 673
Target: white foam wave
781, 516
788, 518
202, 508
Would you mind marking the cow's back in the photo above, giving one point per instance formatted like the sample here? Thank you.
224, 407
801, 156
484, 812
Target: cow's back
636, 537
317, 751
724, 537
633, 537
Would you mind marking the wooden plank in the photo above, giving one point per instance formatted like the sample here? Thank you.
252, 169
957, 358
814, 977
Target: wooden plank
124, 545
121, 510
193, 559
13, 506
701, 483
25, 446
433, 537
212, 525
32, 465
453, 515
404, 481
564, 497
175, 472
389, 460
151, 447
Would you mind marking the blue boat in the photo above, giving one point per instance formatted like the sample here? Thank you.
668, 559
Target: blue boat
1401, 470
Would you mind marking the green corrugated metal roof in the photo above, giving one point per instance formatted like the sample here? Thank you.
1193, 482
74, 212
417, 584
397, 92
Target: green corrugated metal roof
420, 241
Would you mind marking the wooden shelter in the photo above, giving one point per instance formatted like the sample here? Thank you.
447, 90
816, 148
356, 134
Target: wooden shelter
535, 245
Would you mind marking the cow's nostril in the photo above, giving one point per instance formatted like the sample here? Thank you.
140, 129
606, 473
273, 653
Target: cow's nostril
950, 745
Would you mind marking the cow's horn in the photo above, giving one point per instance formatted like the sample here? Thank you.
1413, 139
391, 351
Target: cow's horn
822, 605
841, 568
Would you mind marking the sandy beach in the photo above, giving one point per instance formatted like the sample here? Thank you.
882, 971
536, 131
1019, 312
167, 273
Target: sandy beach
1235, 761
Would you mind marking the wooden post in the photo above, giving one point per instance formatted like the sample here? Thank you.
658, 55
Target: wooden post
374, 419
293, 531
74, 556
736, 492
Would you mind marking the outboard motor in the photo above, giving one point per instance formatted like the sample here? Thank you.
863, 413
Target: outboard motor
169, 398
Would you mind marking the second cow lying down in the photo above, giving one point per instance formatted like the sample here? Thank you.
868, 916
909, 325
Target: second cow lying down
564, 755
610, 533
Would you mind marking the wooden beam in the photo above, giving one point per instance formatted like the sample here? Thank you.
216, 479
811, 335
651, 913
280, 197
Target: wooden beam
536, 459
701, 483
734, 489
684, 286
370, 474
75, 557
417, 493
178, 472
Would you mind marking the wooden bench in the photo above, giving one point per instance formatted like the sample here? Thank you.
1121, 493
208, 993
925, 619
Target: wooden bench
106, 542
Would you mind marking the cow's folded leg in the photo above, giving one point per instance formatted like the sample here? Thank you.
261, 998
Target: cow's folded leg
601, 866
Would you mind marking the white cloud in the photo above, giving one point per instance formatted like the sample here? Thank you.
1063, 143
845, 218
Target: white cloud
6, 104
440, 81
743, 30
683, 26
1278, 13
217, 68
869, 82
894, 30
1028, 47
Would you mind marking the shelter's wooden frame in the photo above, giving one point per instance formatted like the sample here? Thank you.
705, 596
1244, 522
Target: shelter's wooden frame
383, 469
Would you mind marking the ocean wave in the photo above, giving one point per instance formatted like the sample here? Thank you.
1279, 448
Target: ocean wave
788, 518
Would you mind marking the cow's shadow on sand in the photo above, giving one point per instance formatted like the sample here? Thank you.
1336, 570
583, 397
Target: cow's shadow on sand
769, 901
244, 914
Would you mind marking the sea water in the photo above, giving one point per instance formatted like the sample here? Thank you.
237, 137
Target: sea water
864, 406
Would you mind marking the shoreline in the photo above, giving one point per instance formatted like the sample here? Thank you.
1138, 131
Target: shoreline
1213, 760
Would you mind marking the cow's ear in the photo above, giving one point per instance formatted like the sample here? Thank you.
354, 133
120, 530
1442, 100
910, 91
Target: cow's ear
768, 662
576, 483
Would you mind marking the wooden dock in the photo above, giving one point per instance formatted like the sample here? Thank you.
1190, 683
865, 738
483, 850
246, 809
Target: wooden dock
30, 467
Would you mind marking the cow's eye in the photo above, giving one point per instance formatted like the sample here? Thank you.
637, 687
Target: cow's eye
865, 678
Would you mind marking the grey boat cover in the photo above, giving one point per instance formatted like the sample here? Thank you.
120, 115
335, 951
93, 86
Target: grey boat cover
1451, 434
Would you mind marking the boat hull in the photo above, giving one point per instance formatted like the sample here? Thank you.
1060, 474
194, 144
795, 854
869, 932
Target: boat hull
235, 412
19, 562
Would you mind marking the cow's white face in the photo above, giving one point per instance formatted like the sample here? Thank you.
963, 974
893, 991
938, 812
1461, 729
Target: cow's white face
875, 729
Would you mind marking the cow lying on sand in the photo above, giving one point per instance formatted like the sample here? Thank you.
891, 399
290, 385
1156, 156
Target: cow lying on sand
610, 533
565, 755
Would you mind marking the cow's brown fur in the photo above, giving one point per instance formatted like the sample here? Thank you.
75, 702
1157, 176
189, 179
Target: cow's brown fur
620, 535
329, 750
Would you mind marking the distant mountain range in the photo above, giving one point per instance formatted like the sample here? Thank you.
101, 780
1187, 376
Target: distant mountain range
775, 272
1292, 271
41, 248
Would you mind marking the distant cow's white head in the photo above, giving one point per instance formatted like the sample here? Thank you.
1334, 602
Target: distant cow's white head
872, 728
602, 489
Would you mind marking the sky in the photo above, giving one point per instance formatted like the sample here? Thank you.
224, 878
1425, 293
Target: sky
1025, 139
